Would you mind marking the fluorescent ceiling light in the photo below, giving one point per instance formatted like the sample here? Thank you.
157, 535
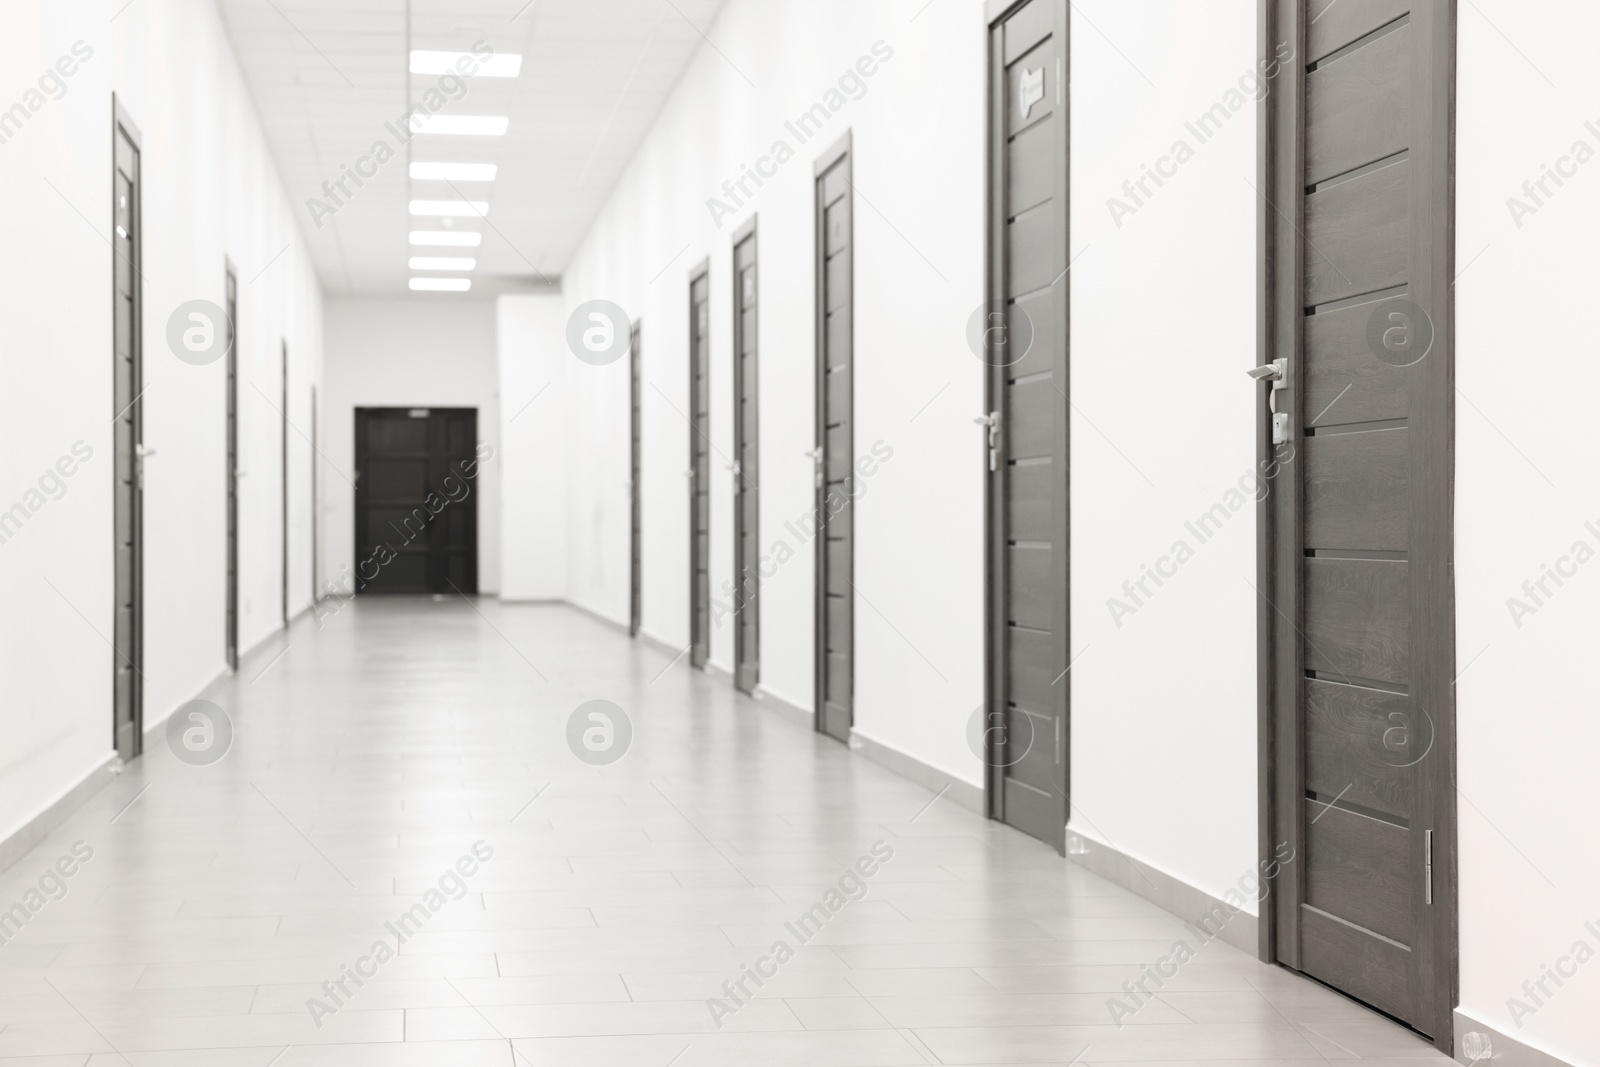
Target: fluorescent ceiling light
442, 263
469, 208
454, 172
499, 65
461, 125
441, 285
446, 238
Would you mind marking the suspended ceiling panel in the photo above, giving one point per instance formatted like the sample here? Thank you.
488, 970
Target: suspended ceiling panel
331, 80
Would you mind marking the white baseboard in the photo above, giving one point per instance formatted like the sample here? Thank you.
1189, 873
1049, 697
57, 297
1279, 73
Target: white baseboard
1506, 1051
1193, 906
966, 794
789, 710
36, 829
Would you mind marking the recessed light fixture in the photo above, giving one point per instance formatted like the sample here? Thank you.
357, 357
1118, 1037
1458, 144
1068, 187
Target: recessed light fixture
441, 285
454, 172
446, 238
461, 125
455, 208
442, 263
498, 65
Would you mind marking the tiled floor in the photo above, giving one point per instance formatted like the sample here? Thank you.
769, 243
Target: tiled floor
379, 751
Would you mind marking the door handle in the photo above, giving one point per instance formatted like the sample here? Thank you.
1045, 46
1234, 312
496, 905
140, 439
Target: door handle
816, 455
140, 454
991, 422
1276, 372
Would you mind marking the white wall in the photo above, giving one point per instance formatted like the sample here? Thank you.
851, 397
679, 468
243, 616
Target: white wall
210, 191
1526, 486
534, 363
919, 254
425, 350
1163, 329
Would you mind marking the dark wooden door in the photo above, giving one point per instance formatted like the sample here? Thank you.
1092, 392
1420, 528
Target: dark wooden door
417, 500
835, 508
1023, 340
283, 485
128, 440
746, 464
635, 483
1357, 616
231, 451
700, 465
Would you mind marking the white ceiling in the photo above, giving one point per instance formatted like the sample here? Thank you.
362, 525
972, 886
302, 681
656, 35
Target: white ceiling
328, 74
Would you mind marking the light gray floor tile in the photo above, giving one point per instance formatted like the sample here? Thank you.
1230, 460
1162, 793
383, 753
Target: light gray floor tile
618, 902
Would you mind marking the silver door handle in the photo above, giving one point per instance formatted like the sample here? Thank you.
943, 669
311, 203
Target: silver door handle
991, 422
141, 451
1276, 372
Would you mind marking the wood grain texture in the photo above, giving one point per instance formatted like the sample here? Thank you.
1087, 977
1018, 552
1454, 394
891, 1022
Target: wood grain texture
1358, 107
1033, 257
1028, 586
1358, 619
1029, 499
1031, 171
1366, 967
1029, 659
1358, 742
1041, 309
1345, 381
1358, 235
1358, 490
1336, 23
1358, 868
1030, 420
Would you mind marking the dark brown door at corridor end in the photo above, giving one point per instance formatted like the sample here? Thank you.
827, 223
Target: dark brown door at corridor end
1357, 601
1022, 337
417, 485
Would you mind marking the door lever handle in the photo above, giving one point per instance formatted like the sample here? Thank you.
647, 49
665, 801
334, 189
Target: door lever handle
1276, 372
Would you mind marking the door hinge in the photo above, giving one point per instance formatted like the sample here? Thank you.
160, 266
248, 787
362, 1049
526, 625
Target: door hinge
1427, 867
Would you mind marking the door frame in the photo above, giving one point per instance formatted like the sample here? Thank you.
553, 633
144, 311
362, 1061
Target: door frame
1280, 517
230, 312
747, 593
283, 433
842, 150
699, 272
122, 125
995, 497
635, 477
316, 552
